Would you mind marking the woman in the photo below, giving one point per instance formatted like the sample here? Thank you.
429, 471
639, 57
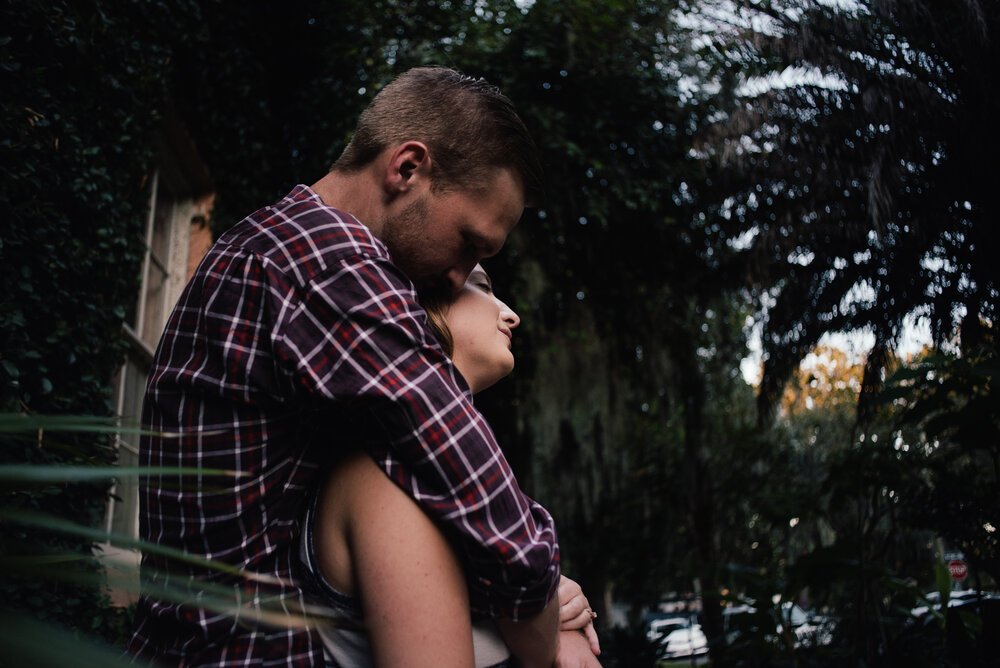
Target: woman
366, 543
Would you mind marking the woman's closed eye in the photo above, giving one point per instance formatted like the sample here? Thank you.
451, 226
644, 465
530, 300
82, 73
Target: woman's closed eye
480, 281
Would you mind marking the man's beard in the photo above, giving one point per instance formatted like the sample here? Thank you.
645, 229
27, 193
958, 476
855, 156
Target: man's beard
404, 234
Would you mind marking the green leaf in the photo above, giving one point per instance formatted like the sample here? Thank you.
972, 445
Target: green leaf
15, 423
30, 473
943, 579
18, 564
39, 520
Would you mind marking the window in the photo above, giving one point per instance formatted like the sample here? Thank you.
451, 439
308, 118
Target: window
142, 330
175, 229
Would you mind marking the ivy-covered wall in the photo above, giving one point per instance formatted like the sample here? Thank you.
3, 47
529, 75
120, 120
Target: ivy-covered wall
82, 86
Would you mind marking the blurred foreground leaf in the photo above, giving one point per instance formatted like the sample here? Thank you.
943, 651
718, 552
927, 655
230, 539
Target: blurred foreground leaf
30, 643
59, 525
28, 473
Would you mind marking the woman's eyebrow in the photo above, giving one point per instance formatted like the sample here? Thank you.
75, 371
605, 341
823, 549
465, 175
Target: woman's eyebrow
480, 274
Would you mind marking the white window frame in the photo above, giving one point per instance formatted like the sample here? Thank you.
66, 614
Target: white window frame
122, 564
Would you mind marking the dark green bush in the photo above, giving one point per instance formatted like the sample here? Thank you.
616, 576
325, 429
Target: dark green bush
83, 84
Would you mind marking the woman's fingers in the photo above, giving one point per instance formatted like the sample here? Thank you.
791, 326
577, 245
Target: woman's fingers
578, 621
574, 609
572, 603
575, 613
568, 589
591, 633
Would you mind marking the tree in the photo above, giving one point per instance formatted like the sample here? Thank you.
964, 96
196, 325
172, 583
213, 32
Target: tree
870, 197
859, 196
951, 402
919, 469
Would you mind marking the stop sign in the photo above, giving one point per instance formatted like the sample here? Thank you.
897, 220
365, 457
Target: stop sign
959, 571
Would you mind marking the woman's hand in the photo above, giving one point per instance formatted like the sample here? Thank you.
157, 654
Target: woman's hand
575, 613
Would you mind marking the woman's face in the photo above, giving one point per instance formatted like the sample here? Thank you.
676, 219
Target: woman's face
482, 328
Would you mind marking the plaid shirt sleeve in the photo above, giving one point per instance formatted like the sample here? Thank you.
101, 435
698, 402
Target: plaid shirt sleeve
355, 333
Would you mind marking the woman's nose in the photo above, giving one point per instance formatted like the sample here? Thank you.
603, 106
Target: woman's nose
507, 314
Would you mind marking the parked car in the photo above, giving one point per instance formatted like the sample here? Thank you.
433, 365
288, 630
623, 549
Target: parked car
663, 626
958, 598
969, 625
683, 643
808, 627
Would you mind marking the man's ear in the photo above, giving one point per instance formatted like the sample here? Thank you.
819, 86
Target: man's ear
408, 168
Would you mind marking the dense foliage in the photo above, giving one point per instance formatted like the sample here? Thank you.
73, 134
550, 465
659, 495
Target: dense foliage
76, 117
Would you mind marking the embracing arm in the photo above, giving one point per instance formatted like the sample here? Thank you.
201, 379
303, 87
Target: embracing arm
356, 334
533, 641
536, 642
373, 541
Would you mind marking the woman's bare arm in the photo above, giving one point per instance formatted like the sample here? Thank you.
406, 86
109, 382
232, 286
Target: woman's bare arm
411, 586
374, 542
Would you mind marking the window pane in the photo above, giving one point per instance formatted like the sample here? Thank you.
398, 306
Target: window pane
135, 386
159, 245
125, 511
154, 317
125, 517
158, 267
132, 307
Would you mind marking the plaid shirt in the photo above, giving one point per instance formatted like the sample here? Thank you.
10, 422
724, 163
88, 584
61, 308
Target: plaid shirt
296, 339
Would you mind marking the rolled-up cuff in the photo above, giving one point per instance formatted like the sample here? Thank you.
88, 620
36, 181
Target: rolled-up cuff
499, 601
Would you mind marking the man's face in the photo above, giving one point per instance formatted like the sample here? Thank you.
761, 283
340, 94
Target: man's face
438, 239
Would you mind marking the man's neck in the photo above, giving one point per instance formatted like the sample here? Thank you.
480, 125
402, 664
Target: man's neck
356, 193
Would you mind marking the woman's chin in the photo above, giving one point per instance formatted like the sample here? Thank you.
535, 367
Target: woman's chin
505, 369
488, 380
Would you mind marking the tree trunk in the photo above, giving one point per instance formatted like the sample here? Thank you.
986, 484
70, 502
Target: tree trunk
701, 504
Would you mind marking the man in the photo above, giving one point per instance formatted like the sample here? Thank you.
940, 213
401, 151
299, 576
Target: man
298, 337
